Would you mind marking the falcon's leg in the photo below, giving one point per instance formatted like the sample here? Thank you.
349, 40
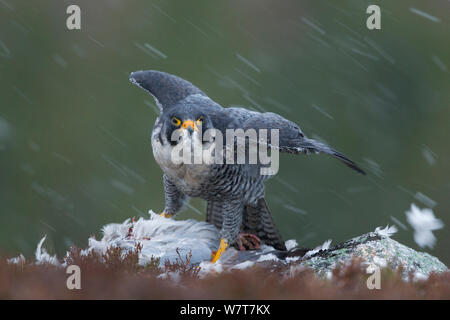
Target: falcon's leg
214, 213
247, 239
175, 199
231, 225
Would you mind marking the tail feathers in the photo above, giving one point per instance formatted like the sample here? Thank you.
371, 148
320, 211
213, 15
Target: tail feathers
306, 145
349, 163
259, 221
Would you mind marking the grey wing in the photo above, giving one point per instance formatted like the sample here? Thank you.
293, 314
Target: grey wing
167, 89
292, 139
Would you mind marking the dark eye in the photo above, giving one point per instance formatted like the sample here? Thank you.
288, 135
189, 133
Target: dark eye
176, 122
200, 120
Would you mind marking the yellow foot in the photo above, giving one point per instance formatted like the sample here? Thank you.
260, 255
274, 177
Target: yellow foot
166, 215
217, 254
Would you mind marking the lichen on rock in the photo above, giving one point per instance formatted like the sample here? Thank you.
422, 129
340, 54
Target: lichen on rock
376, 251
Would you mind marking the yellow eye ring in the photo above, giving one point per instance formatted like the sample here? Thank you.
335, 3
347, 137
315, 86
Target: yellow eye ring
176, 121
199, 120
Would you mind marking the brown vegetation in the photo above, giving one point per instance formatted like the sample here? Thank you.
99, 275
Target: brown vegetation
117, 275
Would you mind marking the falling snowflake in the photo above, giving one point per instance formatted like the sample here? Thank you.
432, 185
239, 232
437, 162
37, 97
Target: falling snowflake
423, 222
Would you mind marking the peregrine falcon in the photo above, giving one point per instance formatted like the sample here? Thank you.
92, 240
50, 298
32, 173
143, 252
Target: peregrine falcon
234, 191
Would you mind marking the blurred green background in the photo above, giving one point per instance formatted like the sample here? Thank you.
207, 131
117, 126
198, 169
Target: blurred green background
75, 148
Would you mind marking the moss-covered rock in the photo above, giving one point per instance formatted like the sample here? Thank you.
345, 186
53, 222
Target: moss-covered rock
376, 251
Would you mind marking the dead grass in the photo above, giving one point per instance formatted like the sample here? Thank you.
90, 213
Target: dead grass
117, 275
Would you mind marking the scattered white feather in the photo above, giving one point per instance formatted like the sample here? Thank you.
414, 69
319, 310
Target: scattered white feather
292, 259
20, 259
42, 256
424, 223
326, 245
388, 231
419, 276
207, 268
173, 276
291, 244
267, 257
243, 265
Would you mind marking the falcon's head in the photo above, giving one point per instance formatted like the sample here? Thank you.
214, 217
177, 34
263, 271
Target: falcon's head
184, 122
185, 110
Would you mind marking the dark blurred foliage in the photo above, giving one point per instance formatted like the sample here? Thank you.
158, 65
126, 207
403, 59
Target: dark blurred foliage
109, 276
75, 134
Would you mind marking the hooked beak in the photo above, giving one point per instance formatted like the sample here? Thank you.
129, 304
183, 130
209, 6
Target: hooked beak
190, 125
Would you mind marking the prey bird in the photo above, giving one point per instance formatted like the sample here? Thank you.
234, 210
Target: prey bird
234, 191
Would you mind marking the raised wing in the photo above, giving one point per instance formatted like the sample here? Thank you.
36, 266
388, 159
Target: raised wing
167, 89
292, 139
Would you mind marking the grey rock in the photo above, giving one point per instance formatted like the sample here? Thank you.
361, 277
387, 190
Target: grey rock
376, 250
